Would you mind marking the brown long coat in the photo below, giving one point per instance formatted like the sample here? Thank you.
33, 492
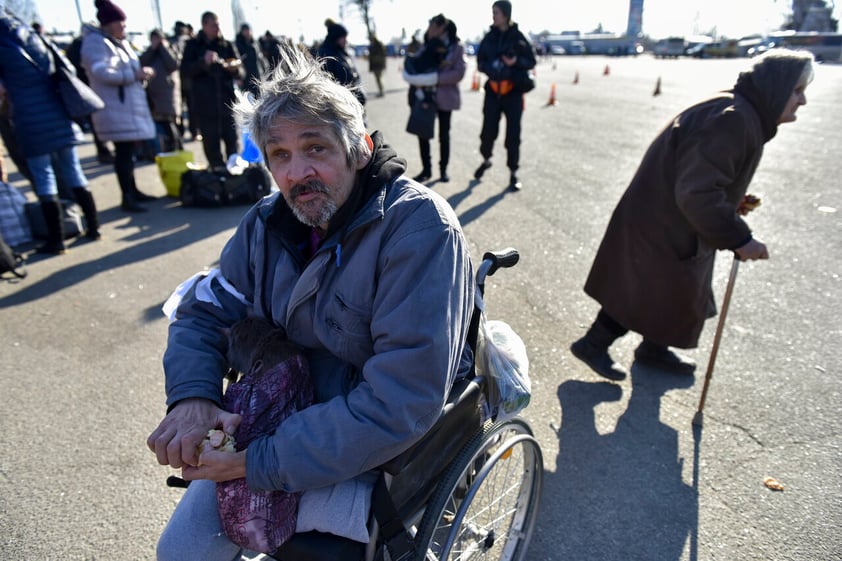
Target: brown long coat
653, 270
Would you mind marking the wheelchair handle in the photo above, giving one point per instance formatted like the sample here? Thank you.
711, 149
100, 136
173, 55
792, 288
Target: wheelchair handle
494, 260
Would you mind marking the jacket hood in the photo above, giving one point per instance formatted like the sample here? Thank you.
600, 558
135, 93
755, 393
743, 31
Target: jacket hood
89, 28
768, 86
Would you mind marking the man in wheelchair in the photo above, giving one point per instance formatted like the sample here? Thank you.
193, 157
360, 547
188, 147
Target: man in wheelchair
369, 274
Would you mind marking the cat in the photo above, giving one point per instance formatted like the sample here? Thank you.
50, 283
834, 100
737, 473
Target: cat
255, 345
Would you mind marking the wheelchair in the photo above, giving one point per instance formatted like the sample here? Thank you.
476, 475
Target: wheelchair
468, 490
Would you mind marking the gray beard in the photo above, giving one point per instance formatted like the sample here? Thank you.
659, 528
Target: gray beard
327, 211
304, 213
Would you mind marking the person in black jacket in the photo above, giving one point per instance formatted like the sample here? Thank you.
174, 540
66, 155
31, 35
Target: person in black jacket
213, 64
338, 62
506, 56
252, 57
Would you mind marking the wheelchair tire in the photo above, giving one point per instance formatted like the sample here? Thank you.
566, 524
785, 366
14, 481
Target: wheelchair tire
486, 503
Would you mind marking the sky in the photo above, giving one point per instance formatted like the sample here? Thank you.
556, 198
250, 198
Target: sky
661, 18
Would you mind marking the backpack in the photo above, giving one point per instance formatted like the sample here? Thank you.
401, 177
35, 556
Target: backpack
10, 261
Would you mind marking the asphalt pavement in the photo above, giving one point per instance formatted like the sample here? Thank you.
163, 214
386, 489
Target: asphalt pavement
626, 476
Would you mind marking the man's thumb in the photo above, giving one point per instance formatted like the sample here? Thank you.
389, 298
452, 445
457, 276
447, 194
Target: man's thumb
229, 421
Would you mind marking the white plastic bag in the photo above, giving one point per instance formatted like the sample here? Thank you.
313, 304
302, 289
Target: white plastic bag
501, 358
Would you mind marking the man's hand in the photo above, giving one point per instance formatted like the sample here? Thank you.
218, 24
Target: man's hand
752, 250
211, 57
217, 466
509, 60
176, 440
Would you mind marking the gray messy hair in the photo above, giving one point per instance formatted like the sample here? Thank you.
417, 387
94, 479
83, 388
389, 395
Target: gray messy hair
301, 91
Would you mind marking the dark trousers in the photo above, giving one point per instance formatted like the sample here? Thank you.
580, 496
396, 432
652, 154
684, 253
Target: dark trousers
444, 144
216, 128
168, 136
493, 107
190, 117
124, 166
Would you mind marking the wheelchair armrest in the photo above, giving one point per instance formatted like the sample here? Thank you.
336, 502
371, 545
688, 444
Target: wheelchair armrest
415, 472
459, 417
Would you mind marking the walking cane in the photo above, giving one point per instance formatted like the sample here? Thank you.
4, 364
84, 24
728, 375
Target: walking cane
698, 418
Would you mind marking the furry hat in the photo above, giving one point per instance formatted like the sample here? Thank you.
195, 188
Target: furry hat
108, 12
334, 31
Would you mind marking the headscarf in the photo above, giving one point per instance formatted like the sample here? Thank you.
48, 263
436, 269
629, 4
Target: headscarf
770, 82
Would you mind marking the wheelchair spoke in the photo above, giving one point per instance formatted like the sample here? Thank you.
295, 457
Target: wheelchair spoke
490, 507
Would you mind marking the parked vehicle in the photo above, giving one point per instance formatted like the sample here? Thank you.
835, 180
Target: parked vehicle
824, 46
671, 47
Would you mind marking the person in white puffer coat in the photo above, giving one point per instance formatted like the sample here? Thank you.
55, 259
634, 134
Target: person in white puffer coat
116, 75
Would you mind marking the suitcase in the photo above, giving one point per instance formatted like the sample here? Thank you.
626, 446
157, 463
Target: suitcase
217, 187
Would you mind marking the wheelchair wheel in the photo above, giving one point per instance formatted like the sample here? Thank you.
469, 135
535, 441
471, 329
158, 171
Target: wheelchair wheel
485, 506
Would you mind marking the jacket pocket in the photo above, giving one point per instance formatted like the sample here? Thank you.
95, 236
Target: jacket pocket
350, 324
347, 318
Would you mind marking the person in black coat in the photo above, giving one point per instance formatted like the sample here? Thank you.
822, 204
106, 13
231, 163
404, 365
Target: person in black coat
505, 55
212, 64
271, 49
338, 61
253, 63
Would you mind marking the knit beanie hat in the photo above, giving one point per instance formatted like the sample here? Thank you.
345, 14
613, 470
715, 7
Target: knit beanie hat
108, 12
504, 6
334, 31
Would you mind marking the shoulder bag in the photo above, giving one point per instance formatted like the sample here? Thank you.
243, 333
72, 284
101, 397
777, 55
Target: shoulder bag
78, 98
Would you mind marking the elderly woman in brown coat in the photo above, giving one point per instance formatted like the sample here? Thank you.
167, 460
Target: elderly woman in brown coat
652, 272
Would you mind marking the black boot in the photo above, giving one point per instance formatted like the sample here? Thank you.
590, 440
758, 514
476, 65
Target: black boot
51, 209
660, 357
131, 204
481, 169
425, 175
592, 349
443, 177
86, 201
143, 197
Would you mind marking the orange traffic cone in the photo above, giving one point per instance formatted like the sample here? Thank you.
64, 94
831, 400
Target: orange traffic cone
576, 78
475, 82
552, 100
657, 87
607, 71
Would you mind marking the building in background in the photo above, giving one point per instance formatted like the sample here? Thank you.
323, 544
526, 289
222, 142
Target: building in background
635, 25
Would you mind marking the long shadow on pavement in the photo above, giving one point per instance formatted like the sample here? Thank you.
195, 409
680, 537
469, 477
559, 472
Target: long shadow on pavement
182, 226
618, 496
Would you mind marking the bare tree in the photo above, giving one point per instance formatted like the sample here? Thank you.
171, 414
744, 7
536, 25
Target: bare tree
364, 9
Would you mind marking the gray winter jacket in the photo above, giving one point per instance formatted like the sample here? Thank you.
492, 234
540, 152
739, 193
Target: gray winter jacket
381, 309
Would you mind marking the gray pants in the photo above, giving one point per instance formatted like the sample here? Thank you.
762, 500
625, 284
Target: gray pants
194, 532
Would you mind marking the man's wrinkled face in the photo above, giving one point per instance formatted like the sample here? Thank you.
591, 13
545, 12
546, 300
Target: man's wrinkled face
310, 168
